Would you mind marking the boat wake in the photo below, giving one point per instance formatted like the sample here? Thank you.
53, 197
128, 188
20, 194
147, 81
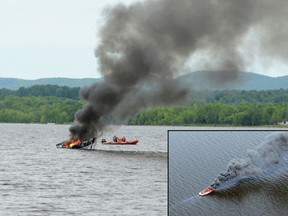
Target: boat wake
191, 199
185, 203
136, 153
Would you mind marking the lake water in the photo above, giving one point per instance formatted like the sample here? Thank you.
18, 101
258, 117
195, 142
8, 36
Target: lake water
197, 157
39, 179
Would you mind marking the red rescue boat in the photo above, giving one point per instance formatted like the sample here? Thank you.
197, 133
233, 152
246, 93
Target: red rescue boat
128, 142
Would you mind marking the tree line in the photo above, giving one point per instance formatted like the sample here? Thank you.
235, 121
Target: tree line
39, 104
58, 104
222, 107
215, 113
240, 96
44, 91
224, 96
33, 109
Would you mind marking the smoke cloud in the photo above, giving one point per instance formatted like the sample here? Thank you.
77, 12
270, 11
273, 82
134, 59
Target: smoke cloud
146, 45
268, 153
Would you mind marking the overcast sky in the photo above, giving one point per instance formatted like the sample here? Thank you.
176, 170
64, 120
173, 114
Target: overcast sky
57, 38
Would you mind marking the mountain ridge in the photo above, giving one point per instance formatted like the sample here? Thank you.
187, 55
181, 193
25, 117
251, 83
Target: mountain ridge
201, 80
15, 83
198, 80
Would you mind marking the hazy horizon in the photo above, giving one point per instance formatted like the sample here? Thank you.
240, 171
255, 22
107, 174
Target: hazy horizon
65, 77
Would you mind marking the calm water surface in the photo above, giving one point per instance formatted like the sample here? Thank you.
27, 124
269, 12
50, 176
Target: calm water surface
197, 157
39, 179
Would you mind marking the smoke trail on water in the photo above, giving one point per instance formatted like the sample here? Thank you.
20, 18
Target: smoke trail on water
269, 152
147, 44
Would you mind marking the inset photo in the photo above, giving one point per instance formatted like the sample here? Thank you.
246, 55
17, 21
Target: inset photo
228, 172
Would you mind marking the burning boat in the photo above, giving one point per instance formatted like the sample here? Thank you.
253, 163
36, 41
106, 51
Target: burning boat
206, 191
76, 142
88, 144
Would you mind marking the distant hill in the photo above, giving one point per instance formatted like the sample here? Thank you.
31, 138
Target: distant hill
197, 80
14, 84
246, 81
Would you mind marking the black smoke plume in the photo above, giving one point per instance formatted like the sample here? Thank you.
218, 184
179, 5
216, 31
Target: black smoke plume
146, 45
269, 152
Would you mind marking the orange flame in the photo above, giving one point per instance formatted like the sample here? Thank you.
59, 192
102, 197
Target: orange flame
71, 143
75, 143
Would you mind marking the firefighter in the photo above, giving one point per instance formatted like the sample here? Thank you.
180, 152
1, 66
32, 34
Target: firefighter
115, 138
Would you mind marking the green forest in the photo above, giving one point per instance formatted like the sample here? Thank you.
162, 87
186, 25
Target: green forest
215, 113
58, 104
222, 107
45, 91
36, 109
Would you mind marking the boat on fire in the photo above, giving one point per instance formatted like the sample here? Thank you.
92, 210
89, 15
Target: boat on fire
88, 144
207, 191
120, 142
